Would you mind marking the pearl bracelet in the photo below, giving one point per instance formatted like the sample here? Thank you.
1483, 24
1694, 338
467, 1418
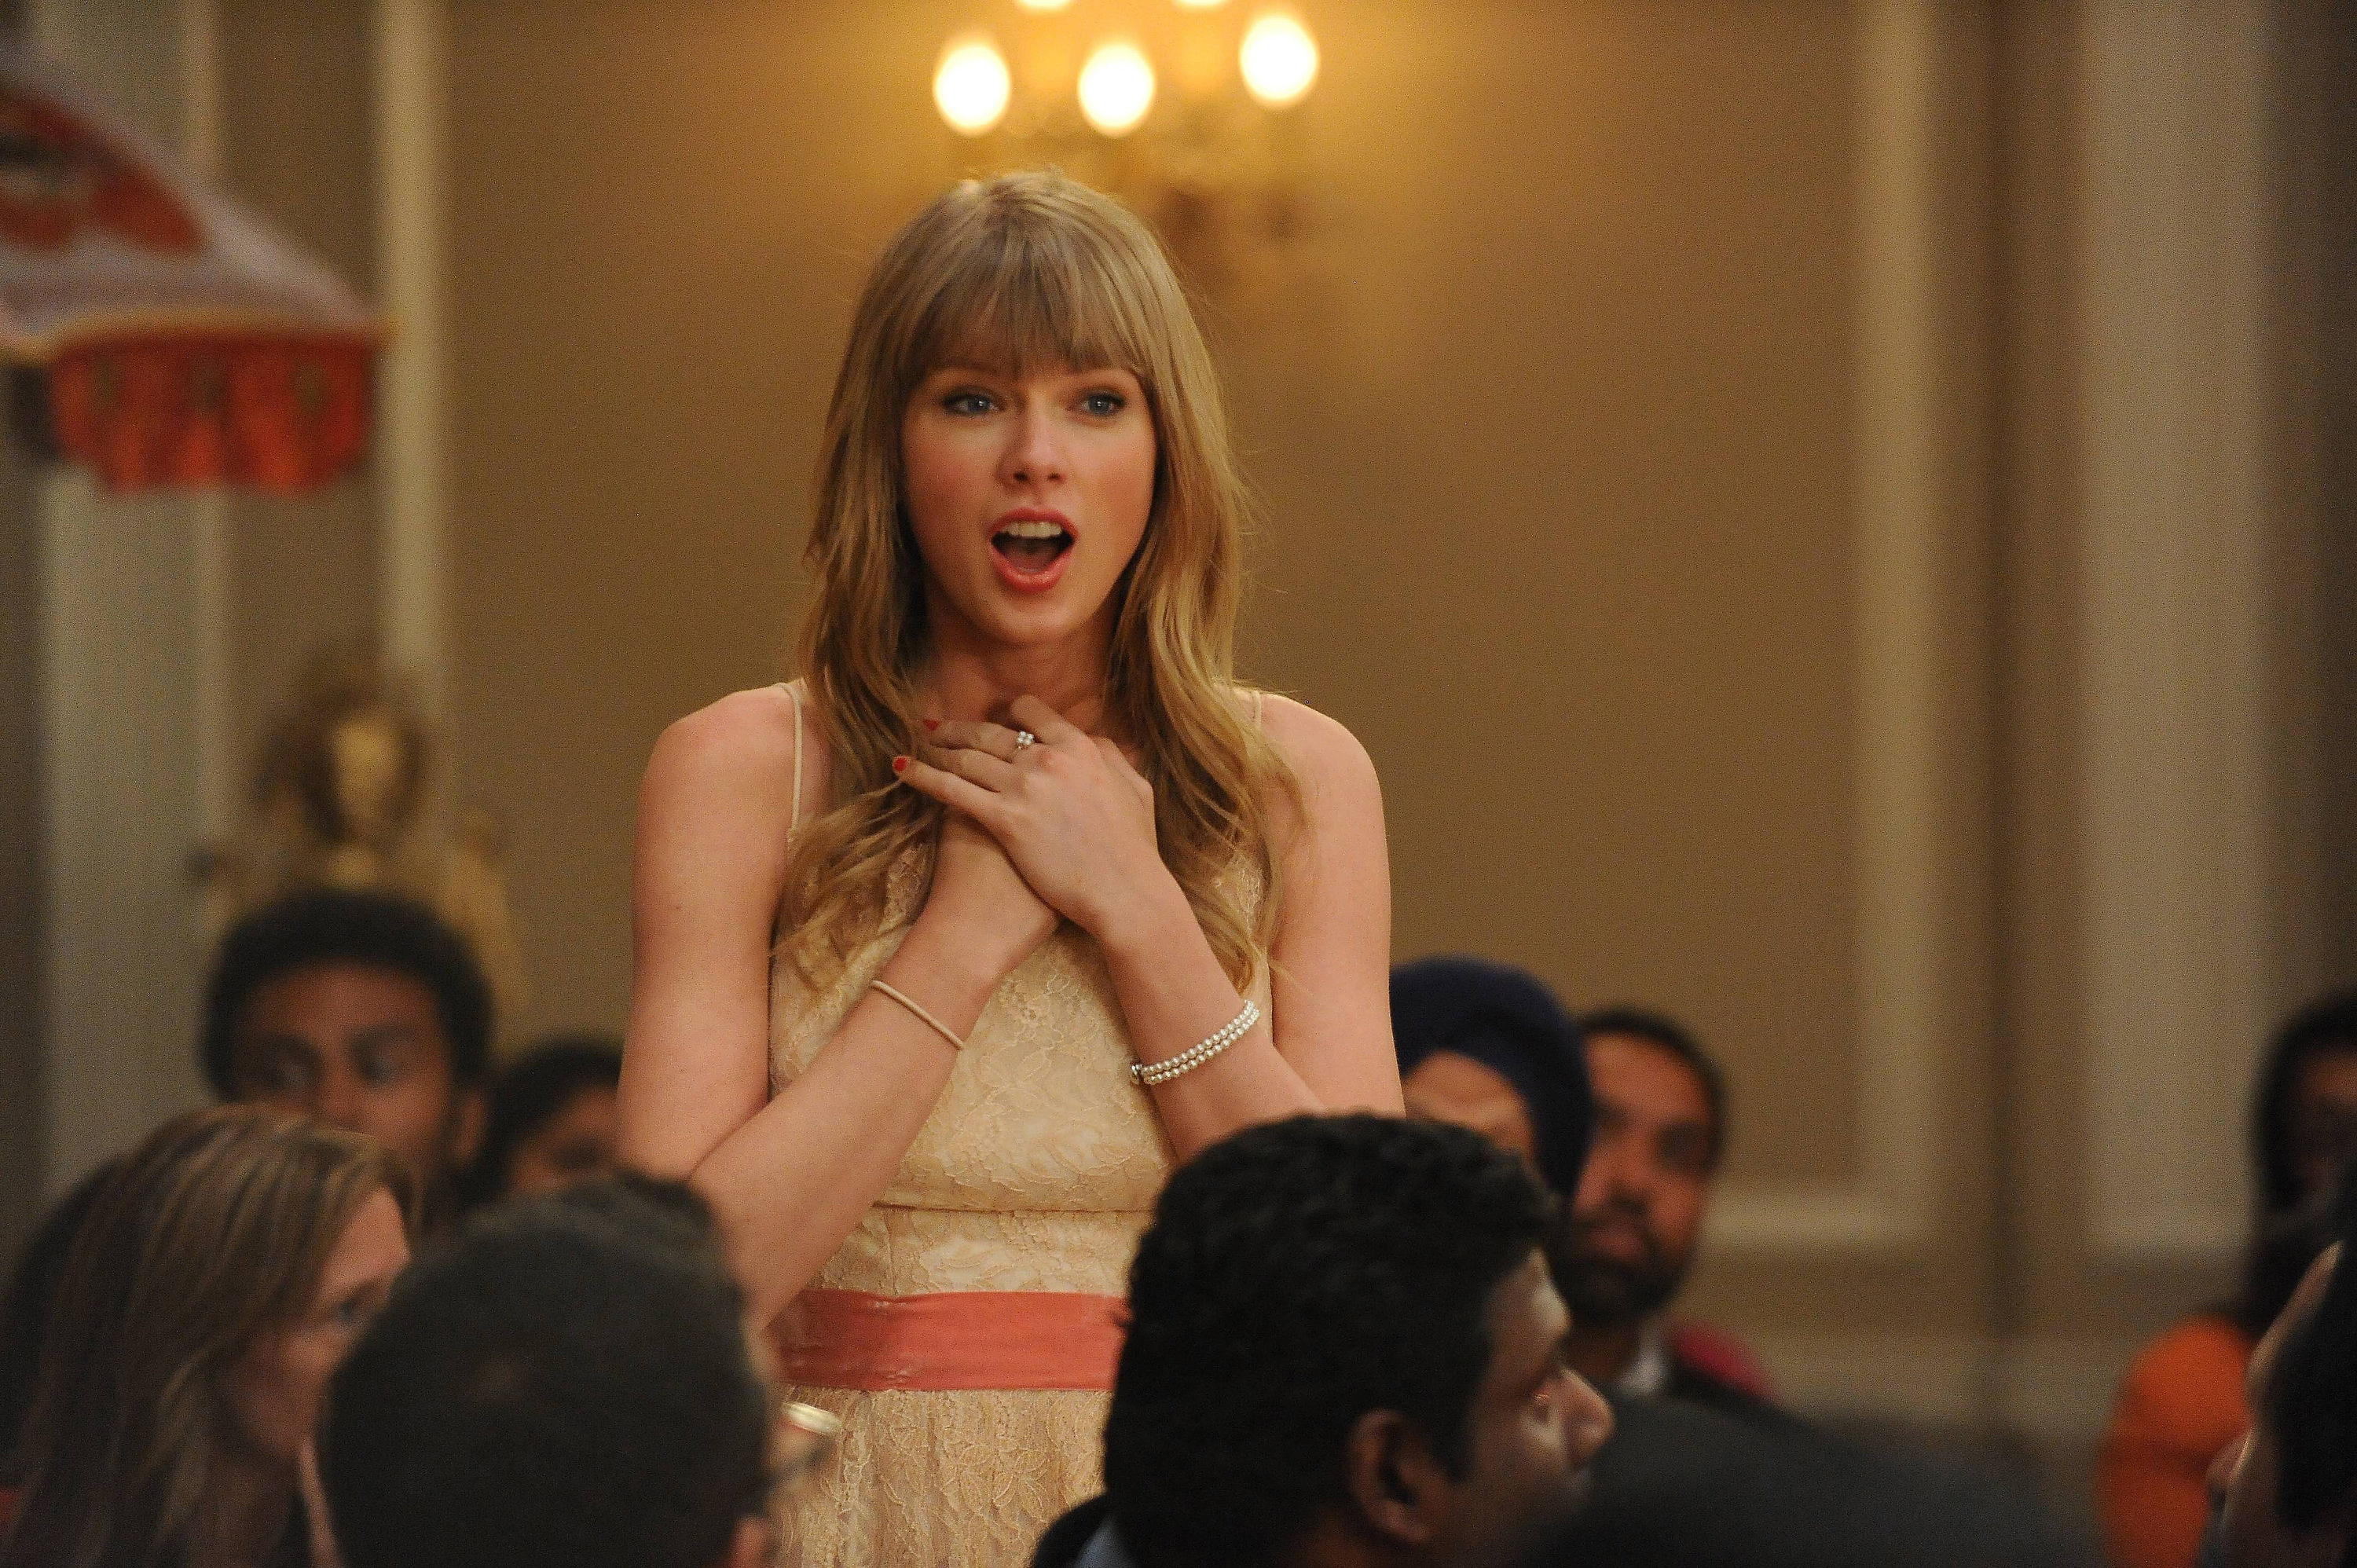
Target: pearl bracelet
1151, 1073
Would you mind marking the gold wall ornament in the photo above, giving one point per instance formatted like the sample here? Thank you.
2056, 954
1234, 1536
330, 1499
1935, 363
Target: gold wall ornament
1187, 110
341, 791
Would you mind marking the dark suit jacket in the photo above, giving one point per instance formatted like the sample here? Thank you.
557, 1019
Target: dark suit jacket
1697, 1385
1680, 1486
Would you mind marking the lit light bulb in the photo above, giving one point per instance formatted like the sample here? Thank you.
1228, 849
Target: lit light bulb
971, 85
1043, 4
1200, 5
1116, 89
1279, 59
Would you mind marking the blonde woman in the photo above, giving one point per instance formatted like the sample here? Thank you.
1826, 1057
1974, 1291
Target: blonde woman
222, 1272
949, 950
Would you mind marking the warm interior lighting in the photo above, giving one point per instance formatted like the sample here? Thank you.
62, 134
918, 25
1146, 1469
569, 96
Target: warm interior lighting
1200, 5
1043, 4
1116, 89
1279, 59
971, 85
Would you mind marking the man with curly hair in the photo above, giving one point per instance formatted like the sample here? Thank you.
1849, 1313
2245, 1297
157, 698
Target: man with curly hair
1345, 1351
361, 1010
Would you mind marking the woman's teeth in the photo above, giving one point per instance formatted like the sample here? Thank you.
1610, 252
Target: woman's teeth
1031, 544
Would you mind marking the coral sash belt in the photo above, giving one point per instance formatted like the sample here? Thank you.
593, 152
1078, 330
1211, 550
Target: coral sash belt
954, 1339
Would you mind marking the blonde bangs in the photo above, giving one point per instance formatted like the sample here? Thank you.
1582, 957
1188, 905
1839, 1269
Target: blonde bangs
1018, 296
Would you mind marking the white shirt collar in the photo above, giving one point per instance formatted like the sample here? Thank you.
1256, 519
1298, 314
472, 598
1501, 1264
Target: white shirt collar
1649, 1374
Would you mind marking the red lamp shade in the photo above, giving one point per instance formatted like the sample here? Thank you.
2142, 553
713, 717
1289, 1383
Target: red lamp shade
182, 343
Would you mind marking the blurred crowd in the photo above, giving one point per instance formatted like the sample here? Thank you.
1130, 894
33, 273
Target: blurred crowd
1451, 1339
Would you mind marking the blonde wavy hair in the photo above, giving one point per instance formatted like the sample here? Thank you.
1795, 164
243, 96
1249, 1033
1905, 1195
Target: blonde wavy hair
1030, 270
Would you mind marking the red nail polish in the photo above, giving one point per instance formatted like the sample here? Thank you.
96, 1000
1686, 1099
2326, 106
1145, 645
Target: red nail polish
900, 765
932, 723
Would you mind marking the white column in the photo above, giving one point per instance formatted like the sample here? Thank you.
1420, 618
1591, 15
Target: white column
411, 430
2175, 590
118, 617
213, 567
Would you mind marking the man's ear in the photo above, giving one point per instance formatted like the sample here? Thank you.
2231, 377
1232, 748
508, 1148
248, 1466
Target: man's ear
752, 1546
467, 1129
1398, 1486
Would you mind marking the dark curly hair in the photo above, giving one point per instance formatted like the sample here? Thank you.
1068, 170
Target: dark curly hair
1296, 1276
330, 925
568, 1381
527, 1095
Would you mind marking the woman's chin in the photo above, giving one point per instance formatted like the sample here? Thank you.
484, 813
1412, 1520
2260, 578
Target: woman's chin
1031, 623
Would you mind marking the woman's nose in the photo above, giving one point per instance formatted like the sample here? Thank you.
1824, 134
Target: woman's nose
1036, 454
338, 1100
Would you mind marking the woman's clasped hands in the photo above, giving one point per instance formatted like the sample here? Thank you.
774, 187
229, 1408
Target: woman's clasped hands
1070, 811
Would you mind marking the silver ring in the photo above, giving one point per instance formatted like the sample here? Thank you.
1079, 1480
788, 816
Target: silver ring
1024, 739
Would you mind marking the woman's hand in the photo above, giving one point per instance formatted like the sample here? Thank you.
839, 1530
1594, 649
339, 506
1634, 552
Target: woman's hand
1073, 816
977, 890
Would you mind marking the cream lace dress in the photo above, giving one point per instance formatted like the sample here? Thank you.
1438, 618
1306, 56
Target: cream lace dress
1036, 1171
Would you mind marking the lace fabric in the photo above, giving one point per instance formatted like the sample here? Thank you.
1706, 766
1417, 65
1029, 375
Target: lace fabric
1037, 1171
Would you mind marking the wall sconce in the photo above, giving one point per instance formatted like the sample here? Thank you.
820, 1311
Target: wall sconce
1183, 108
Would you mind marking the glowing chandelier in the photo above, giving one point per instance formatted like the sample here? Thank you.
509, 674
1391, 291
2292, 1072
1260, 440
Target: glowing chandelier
1182, 109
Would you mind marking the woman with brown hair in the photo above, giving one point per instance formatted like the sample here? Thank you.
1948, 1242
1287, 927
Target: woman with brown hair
223, 1272
948, 949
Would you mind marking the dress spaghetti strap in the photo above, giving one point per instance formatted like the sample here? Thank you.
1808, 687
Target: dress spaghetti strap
794, 817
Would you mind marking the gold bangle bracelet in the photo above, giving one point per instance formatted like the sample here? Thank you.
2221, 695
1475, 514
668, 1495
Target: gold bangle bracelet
944, 1030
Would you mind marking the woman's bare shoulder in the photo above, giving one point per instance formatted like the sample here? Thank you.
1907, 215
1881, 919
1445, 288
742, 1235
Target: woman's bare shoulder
1320, 751
743, 750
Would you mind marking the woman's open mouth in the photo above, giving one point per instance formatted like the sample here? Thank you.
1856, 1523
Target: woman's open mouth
1029, 552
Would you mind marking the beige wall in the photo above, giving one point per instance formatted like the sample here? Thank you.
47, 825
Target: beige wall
296, 140
2329, 146
1557, 437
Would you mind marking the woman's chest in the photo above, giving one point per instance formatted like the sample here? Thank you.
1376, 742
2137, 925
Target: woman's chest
1040, 1112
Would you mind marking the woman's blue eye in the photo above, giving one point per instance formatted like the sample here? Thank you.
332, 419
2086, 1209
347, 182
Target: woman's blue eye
967, 402
1103, 404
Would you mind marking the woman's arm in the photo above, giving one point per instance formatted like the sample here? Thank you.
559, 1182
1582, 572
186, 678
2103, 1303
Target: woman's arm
1079, 822
789, 1177
1328, 1047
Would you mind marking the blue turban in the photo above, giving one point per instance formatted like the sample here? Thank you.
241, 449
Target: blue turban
1504, 1019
